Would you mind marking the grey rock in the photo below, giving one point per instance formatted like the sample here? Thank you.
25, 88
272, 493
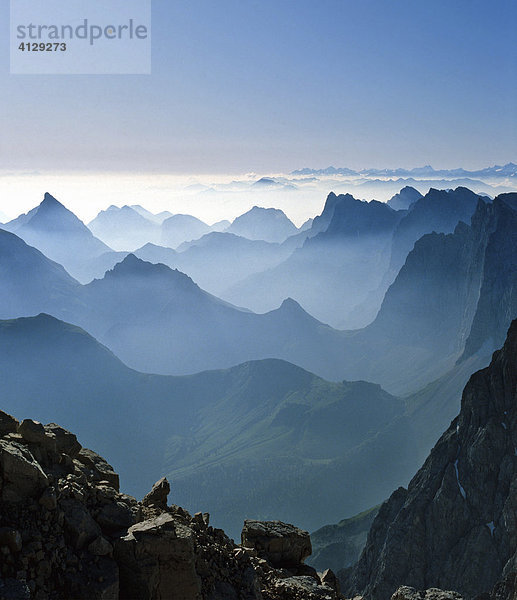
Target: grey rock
80, 525
22, 474
302, 588
455, 526
99, 467
115, 516
32, 431
8, 424
283, 545
328, 577
157, 560
409, 593
66, 442
158, 494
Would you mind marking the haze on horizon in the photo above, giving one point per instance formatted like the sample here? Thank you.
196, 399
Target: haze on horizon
270, 87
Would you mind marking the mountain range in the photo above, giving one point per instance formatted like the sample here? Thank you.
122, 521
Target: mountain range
353, 251
303, 413
507, 170
158, 320
129, 227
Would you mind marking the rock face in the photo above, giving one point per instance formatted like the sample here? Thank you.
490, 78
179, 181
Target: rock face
438, 210
455, 527
497, 304
67, 532
404, 199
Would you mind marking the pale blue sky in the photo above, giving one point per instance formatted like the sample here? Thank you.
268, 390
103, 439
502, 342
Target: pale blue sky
275, 85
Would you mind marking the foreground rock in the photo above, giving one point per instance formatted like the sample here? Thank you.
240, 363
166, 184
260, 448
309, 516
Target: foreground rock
66, 532
409, 593
455, 527
281, 544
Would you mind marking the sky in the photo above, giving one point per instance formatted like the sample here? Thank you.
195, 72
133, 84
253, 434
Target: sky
275, 85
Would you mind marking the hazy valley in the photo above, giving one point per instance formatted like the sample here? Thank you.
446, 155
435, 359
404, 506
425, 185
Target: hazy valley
270, 371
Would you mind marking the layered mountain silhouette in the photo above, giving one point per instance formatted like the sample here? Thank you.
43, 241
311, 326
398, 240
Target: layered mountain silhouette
181, 228
219, 260
158, 320
31, 282
439, 211
269, 418
404, 199
428, 315
454, 526
345, 254
125, 228
267, 224
157, 218
59, 234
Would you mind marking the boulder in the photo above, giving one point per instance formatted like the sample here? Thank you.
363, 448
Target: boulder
22, 474
99, 467
328, 577
158, 494
32, 431
8, 424
157, 560
66, 442
281, 544
115, 516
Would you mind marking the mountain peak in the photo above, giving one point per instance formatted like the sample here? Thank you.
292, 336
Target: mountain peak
49, 201
291, 304
131, 265
291, 308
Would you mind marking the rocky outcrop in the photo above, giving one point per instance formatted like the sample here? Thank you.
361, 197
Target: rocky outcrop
409, 593
455, 527
66, 531
281, 544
